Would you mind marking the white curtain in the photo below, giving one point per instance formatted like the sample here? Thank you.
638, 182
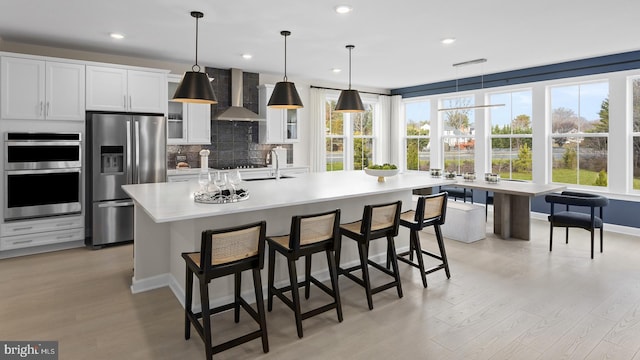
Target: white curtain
396, 126
384, 138
317, 156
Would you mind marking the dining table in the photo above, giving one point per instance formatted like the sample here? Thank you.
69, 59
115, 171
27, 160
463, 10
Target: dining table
511, 204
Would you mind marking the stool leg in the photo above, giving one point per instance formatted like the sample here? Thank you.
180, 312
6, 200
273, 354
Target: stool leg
236, 296
363, 250
333, 273
414, 239
272, 260
295, 295
601, 238
188, 303
307, 276
443, 252
566, 235
206, 318
394, 264
257, 284
550, 236
592, 231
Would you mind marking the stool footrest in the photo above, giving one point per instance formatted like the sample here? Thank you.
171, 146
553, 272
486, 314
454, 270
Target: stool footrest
237, 341
279, 292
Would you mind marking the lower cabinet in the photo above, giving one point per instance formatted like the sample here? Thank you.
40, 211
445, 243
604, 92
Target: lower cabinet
22, 234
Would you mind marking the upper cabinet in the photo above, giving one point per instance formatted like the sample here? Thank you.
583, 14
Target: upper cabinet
187, 123
37, 90
118, 89
280, 125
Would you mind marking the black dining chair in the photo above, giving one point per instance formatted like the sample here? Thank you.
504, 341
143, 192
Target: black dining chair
569, 217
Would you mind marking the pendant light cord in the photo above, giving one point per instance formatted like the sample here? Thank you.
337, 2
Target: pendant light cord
350, 47
285, 33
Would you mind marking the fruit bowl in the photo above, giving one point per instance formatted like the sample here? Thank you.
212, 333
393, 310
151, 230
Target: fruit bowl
381, 174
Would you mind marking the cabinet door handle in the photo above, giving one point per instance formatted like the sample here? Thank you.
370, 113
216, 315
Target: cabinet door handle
130, 103
41, 108
47, 109
23, 228
125, 101
22, 242
64, 224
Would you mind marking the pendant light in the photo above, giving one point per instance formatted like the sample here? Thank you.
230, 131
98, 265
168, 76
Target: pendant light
471, 107
195, 86
349, 100
285, 95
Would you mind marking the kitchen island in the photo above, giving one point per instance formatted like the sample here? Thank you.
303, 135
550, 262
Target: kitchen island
168, 221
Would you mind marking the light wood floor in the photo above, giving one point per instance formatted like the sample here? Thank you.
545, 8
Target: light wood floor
505, 300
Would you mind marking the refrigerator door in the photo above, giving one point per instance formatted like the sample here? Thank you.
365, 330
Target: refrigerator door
112, 222
150, 153
109, 155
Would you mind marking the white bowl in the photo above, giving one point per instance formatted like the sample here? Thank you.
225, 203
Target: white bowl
381, 174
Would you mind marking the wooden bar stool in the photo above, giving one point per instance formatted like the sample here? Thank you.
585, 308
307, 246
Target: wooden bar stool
378, 221
431, 211
226, 252
309, 234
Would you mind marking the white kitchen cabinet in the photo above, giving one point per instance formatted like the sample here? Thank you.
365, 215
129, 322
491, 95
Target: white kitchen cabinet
187, 123
119, 89
28, 233
37, 89
280, 125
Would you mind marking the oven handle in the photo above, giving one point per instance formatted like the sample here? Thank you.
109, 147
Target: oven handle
43, 171
41, 143
115, 204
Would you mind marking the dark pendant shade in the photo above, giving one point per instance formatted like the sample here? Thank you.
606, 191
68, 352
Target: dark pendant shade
195, 88
349, 101
285, 96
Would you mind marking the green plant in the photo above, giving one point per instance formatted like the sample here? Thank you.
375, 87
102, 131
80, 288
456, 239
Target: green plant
601, 180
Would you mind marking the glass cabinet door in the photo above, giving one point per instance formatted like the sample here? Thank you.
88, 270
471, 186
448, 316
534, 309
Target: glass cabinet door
176, 115
292, 124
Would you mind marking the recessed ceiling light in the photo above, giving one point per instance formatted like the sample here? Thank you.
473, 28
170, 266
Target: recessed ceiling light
247, 56
343, 9
116, 36
336, 70
448, 41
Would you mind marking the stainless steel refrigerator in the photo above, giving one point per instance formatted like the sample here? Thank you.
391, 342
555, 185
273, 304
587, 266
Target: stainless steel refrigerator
122, 149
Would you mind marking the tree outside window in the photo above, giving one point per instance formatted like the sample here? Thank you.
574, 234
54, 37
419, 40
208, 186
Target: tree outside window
580, 128
351, 149
511, 135
458, 135
418, 129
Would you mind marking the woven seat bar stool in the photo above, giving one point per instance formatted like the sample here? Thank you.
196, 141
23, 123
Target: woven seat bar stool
226, 252
430, 211
378, 221
309, 234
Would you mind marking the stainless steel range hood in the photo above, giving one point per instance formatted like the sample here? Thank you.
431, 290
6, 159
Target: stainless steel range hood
237, 112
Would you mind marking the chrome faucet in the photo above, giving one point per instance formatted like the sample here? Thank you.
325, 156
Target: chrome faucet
276, 158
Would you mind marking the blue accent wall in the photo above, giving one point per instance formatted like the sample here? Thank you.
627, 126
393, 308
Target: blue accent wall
597, 65
619, 212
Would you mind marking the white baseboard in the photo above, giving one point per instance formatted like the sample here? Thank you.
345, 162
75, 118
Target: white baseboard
154, 282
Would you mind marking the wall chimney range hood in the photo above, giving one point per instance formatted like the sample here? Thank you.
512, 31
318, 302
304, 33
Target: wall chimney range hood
237, 112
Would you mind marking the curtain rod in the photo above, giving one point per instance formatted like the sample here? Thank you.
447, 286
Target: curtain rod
364, 92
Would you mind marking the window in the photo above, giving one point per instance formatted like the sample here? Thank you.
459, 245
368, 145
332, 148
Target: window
351, 149
579, 133
418, 129
334, 137
511, 135
636, 132
458, 134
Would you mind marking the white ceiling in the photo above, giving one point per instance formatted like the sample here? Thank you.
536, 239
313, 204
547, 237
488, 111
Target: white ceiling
397, 43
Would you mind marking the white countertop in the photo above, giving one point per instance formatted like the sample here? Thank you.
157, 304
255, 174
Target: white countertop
512, 187
195, 171
166, 202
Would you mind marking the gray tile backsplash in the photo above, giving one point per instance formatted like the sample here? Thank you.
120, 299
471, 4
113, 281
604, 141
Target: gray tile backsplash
233, 143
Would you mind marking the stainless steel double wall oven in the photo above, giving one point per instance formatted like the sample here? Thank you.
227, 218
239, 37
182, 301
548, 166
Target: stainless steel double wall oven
42, 175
